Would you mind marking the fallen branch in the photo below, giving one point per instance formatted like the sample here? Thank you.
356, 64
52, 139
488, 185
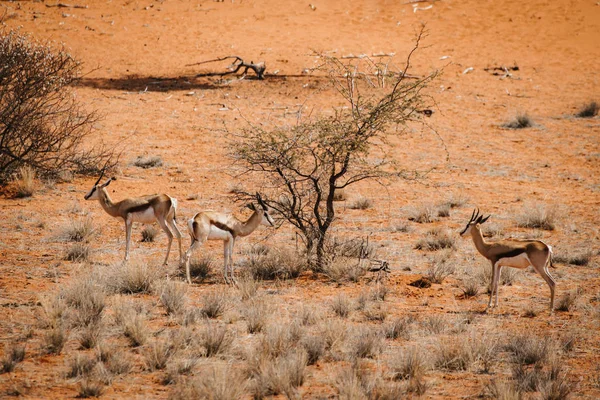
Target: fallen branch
63, 5
239, 63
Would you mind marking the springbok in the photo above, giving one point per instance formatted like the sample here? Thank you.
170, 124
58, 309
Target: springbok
211, 225
515, 253
145, 209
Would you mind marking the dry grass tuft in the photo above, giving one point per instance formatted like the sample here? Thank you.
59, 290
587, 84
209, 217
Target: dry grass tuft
131, 277
214, 305
399, 328
314, 346
453, 355
408, 365
79, 252
434, 324
521, 121
78, 230
278, 340
90, 336
538, 216
158, 354
88, 299
81, 365
580, 259
173, 297
276, 264
200, 268
281, 375
26, 182
248, 287
470, 288
149, 232
132, 321
588, 110
342, 269
215, 339
436, 239
424, 213
340, 305
567, 301
54, 340
218, 383
148, 162
366, 343
527, 350
13, 354
361, 203
90, 388
256, 313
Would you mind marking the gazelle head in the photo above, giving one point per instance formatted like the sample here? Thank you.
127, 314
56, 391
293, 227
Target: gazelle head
476, 219
93, 194
266, 217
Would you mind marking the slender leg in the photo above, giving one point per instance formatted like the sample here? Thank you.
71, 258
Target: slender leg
128, 224
177, 232
186, 258
543, 271
498, 283
165, 228
494, 282
225, 259
231, 244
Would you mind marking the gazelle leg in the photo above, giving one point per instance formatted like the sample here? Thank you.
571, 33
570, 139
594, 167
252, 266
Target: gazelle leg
225, 260
165, 228
494, 284
186, 258
177, 232
543, 271
231, 244
128, 224
498, 283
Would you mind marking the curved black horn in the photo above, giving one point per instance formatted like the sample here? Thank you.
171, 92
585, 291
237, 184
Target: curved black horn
472, 215
101, 175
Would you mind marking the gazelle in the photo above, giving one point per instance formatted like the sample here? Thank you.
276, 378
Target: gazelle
513, 253
145, 209
211, 225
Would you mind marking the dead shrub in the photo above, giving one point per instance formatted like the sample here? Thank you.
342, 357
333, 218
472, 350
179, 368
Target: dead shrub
521, 121
54, 340
88, 299
281, 375
256, 313
453, 355
149, 232
340, 305
173, 297
13, 354
376, 313
527, 379
342, 269
537, 216
148, 162
424, 213
276, 264
214, 305
133, 323
408, 365
214, 339
434, 324
277, 340
90, 335
436, 239
588, 110
131, 277
158, 354
527, 350
470, 288
78, 252
26, 182
367, 343
352, 248
361, 203
90, 388
78, 230
81, 365
314, 346
399, 328
335, 333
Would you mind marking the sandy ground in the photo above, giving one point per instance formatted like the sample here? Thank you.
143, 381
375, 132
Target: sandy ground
136, 58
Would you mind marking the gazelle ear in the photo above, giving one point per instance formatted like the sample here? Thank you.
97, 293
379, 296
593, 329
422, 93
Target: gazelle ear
108, 182
485, 219
478, 220
251, 206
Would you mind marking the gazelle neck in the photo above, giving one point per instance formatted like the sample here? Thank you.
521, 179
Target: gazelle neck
107, 204
251, 223
480, 244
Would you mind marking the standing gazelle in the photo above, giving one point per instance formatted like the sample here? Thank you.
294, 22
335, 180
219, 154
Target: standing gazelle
211, 225
145, 209
513, 253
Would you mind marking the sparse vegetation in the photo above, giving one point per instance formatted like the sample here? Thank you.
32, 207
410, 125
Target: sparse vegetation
200, 268
588, 110
361, 203
424, 213
580, 259
256, 314
214, 339
158, 354
275, 264
367, 343
470, 288
78, 230
567, 301
538, 216
436, 239
527, 350
131, 277
173, 296
441, 267
90, 388
398, 328
408, 365
521, 121
148, 162
25, 184
453, 355
341, 306
13, 354
214, 305
78, 252
149, 232
54, 340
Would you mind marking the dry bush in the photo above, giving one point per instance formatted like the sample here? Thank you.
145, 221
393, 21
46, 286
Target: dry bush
78, 230
214, 339
580, 259
314, 346
214, 304
424, 213
521, 121
78, 252
149, 232
256, 313
13, 354
380, 292
361, 203
335, 334
173, 297
340, 305
537, 216
527, 350
54, 340
588, 110
399, 328
441, 267
555, 389
470, 288
280, 375
436, 239
90, 388
308, 315
88, 298
567, 301
366, 343
90, 335
530, 312
276, 263
26, 182
277, 340
351, 248
408, 365
248, 287
342, 269
501, 391
43, 124
220, 382
158, 354
200, 268
453, 355
376, 313
485, 351
117, 362
81, 365
148, 162
132, 321
181, 366
340, 195
434, 324
527, 379
131, 277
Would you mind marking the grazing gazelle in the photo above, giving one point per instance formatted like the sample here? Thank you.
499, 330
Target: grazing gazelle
211, 225
515, 253
145, 209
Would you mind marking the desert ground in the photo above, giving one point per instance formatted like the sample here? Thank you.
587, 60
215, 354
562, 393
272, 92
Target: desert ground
138, 73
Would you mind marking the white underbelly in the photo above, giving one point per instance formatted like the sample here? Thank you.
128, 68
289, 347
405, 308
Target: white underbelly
146, 217
520, 261
218, 234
